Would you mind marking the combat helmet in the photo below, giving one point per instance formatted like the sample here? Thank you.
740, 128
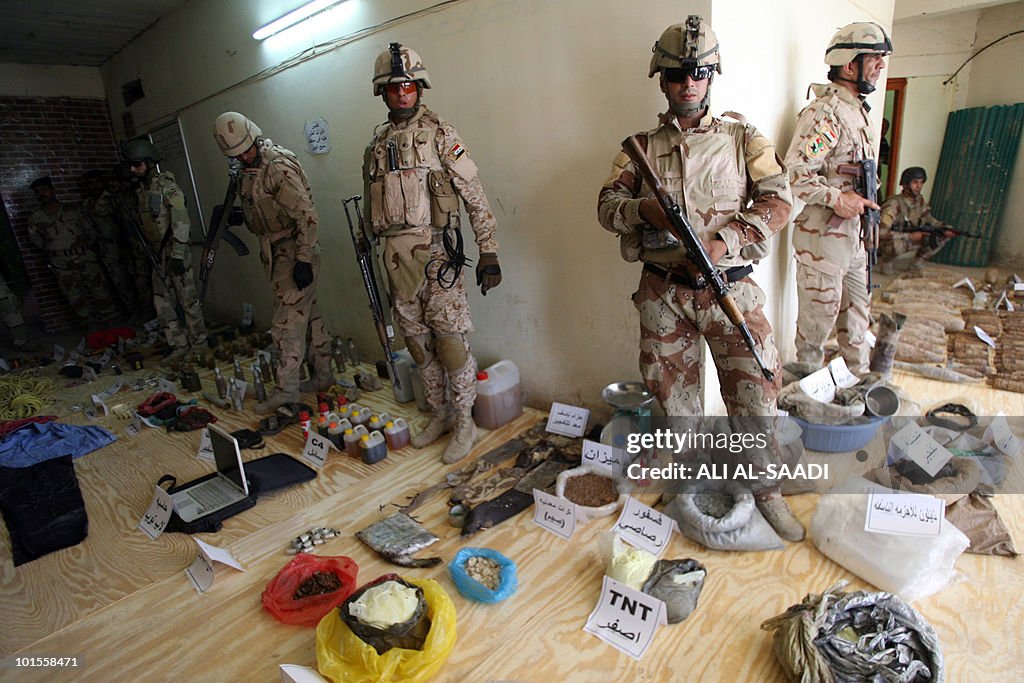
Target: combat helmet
141, 149
690, 44
911, 174
398, 64
235, 133
858, 38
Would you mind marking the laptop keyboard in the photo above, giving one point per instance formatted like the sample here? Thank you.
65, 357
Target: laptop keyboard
213, 496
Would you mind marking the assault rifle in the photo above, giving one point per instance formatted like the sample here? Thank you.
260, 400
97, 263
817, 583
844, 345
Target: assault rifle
934, 232
681, 230
220, 223
364, 255
127, 213
865, 183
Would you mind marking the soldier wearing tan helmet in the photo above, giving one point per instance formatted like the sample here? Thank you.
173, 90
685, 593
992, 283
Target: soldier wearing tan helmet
416, 170
835, 129
906, 210
166, 226
726, 177
278, 207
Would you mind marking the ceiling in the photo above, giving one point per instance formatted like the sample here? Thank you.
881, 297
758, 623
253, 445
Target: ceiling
74, 32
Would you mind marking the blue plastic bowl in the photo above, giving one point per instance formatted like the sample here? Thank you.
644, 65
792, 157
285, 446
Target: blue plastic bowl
838, 438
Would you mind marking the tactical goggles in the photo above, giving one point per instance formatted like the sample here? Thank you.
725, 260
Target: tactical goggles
137, 162
695, 73
404, 88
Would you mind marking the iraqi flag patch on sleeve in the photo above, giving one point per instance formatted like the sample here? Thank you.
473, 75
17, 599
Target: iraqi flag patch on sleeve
820, 141
456, 151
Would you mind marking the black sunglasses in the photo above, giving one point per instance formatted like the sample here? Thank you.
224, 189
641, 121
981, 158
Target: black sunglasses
696, 73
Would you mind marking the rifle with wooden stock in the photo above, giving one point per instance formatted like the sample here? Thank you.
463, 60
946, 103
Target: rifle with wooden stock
680, 229
865, 183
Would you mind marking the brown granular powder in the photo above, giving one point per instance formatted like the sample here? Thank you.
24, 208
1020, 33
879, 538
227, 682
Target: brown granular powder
317, 584
591, 490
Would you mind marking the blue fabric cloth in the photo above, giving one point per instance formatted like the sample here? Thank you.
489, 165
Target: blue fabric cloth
38, 442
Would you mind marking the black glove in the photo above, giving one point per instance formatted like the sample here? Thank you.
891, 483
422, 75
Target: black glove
488, 272
176, 267
302, 273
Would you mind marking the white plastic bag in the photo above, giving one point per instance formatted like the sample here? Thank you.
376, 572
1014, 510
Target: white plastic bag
911, 566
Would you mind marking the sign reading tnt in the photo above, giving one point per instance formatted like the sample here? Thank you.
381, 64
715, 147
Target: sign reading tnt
626, 618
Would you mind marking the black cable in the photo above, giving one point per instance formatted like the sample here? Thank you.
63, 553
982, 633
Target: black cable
450, 266
945, 82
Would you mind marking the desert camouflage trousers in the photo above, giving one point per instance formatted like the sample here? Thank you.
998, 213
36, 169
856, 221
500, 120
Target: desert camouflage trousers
81, 280
297, 329
835, 299
674, 317
180, 290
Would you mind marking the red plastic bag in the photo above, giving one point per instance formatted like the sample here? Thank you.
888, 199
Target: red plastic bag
278, 597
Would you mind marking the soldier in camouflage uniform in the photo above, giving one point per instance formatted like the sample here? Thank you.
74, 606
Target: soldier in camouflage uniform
123, 203
278, 208
831, 260
726, 177
10, 315
166, 226
97, 207
908, 209
64, 233
416, 169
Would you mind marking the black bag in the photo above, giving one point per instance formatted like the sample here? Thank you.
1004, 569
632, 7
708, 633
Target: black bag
43, 507
266, 474
248, 438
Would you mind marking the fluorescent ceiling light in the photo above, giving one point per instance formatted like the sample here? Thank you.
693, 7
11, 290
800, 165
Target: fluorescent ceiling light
294, 17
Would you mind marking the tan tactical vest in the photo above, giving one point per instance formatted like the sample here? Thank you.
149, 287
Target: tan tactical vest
156, 215
264, 215
707, 176
412, 188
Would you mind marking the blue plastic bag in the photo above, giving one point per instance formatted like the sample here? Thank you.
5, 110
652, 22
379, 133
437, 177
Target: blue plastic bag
473, 589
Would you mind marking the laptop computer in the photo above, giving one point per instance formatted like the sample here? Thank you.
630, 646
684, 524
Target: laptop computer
229, 486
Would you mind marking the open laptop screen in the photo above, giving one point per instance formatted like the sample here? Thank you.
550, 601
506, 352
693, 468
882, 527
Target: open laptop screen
227, 457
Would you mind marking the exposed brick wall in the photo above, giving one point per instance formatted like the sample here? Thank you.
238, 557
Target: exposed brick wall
62, 137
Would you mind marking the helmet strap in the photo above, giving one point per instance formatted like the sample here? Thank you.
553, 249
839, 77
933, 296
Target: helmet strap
404, 113
691, 108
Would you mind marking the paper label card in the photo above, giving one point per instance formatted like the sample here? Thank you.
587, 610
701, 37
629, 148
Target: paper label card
568, 420
998, 434
315, 452
603, 458
318, 139
101, 407
871, 338
919, 446
81, 345
555, 514
904, 514
983, 336
841, 374
966, 282
293, 673
166, 385
135, 426
819, 385
4, 365
625, 618
151, 325
157, 515
58, 353
105, 358
200, 572
644, 527
205, 451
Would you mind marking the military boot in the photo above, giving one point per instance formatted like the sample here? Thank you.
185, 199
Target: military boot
776, 510
439, 425
464, 436
175, 355
321, 380
275, 401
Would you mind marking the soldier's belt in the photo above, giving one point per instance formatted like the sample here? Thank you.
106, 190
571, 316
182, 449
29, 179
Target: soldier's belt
68, 252
731, 275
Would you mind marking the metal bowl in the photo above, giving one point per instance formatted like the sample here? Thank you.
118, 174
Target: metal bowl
627, 395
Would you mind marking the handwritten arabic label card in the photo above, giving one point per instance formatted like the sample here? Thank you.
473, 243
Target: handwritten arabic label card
247, 314
904, 514
568, 420
966, 282
999, 435
58, 353
318, 139
293, 673
165, 385
919, 446
205, 451
819, 385
315, 452
841, 374
625, 618
555, 514
602, 458
200, 572
155, 520
983, 336
644, 527
100, 405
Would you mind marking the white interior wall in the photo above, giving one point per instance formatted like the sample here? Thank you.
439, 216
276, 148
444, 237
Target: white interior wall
925, 112
542, 116
35, 80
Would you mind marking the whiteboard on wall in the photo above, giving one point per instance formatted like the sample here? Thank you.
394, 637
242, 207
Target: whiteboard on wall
170, 142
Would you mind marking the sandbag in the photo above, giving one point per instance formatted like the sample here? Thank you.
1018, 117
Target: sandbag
678, 584
722, 515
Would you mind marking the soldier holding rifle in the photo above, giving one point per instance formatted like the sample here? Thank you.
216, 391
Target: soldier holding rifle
833, 135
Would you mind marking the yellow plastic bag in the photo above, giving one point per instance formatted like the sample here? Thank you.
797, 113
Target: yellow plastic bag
343, 657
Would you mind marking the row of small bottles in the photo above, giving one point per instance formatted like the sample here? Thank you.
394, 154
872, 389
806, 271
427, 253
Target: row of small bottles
361, 433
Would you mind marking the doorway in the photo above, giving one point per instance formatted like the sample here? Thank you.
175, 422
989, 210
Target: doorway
889, 150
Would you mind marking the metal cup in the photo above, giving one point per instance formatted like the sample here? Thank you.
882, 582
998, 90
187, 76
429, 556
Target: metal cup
881, 401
